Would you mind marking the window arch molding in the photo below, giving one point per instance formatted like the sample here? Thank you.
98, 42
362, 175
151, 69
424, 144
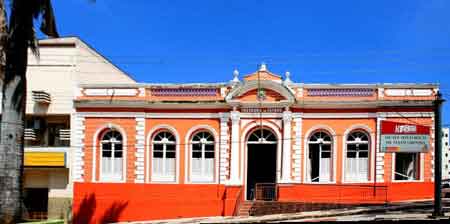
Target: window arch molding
307, 136
101, 131
367, 130
152, 133
188, 150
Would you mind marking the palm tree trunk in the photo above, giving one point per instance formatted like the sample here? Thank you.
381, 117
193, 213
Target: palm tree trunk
13, 112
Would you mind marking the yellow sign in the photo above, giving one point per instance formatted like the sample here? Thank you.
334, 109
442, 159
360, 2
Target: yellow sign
45, 159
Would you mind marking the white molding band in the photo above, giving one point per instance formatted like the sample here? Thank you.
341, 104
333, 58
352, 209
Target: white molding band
139, 170
111, 92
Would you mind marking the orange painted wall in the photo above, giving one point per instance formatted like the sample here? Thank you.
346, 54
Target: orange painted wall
95, 124
182, 126
356, 193
107, 202
339, 126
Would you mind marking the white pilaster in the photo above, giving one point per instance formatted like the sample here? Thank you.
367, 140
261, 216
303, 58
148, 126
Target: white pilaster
78, 146
224, 163
140, 149
234, 166
379, 160
286, 162
297, 156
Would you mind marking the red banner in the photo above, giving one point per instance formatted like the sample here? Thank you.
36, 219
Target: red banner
397, 128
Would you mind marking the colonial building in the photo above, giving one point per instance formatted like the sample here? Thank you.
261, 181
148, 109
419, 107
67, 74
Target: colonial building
64, 63
153, 151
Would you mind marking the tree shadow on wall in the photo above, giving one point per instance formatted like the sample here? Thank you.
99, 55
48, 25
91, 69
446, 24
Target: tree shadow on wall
86, 211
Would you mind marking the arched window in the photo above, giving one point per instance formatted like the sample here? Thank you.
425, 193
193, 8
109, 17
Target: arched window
112, 156
202, 167
320, 162
262, 136
357, 158
164, 156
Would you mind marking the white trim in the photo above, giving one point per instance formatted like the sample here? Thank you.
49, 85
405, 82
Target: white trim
371, 153
408, 92
338, 115
148, 115
188, 157
109, 114
287, 149
47, 149
182, 115
234, 157
110, 92
261, 115
405, 114
244, 152
150, 150
306, 151
77, 142
379, 160
224, 156
297, 149
140, 150
94, 154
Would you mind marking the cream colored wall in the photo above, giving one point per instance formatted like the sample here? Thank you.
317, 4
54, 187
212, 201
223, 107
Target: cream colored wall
92, 68
56, 180
52, 73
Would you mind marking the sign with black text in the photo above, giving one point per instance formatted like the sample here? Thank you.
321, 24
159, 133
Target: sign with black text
401, 137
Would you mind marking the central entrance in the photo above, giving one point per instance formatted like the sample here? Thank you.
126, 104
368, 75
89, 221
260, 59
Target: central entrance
262, 160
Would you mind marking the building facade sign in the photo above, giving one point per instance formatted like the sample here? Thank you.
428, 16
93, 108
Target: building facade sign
401, 137
262, 110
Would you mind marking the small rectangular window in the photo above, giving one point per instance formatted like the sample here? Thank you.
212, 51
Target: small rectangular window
406, 166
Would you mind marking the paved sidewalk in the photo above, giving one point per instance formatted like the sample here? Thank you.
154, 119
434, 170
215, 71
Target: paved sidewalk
411, 211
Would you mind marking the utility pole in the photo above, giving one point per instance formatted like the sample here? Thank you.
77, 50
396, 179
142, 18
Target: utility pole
437, 157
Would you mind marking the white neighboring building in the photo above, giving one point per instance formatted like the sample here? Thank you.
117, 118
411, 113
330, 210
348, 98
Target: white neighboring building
52, 86
445, 153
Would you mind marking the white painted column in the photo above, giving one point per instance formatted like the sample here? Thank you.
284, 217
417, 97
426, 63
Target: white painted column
234, 166
379, 160
140, 149
287, 159
224, 163
297, 156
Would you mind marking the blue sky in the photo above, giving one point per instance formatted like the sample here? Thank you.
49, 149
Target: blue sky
317, 41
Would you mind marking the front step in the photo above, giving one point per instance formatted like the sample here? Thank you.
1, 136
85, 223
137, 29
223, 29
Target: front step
244, 208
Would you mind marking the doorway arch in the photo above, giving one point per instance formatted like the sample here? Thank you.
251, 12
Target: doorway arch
261, 144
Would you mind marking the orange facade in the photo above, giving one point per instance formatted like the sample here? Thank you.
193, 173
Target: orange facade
169, 151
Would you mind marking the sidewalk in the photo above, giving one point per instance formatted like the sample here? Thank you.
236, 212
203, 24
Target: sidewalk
412, 211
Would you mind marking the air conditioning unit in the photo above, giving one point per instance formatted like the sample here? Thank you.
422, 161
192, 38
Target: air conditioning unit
30, 134
64, 134
41, 97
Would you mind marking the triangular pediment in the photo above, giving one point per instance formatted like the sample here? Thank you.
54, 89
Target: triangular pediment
271, 91
262, 74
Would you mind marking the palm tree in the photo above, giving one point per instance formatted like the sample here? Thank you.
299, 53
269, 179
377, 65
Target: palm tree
16, 36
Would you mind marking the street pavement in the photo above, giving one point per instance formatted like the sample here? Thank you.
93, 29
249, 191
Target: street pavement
414, 212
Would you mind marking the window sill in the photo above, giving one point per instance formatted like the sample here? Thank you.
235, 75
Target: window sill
407, 181
110, 180
320, 183
163, 179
